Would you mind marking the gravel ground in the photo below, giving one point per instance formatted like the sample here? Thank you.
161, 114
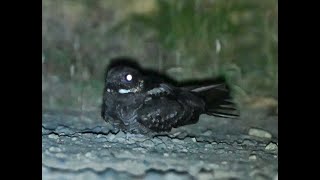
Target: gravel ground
78, 145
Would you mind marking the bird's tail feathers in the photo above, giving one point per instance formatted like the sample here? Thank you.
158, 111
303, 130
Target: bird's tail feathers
218, 100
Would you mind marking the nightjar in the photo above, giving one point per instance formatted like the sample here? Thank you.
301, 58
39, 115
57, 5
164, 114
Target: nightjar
140, 103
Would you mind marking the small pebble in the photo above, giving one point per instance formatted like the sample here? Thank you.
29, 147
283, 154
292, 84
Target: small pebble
53, 136
200, 139
147, 143
214, 143
194, 139
207, 133
78, 156
252, 157
54, 149
162, 146
106, 146
88, 154
165, 154
259, 133
184, 150
208, 146
271, 147
99, 135
111, 137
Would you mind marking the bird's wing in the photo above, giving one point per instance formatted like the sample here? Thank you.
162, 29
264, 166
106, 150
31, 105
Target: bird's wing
160, 113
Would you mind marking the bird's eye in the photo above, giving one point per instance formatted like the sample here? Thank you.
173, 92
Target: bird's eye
128, 77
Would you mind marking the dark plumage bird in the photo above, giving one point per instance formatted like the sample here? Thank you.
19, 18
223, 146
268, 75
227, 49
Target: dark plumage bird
139, 103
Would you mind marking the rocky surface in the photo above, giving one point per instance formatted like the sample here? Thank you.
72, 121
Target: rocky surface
79, 145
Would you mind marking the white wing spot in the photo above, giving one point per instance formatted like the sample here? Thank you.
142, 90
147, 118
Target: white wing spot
156, 91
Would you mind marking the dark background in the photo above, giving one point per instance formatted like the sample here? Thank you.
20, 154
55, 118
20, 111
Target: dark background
187, 40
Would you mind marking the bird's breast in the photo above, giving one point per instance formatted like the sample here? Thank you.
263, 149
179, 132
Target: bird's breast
124, 107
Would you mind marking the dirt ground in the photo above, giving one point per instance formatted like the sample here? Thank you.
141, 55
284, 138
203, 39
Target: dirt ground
80, 145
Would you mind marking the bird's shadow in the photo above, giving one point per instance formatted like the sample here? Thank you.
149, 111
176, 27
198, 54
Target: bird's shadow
131, 62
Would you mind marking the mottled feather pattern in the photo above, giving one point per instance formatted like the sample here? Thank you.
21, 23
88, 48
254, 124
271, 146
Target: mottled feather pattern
140, 104
159, 114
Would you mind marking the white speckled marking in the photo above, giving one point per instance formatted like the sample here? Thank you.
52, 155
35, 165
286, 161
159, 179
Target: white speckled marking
124, 91
156, 91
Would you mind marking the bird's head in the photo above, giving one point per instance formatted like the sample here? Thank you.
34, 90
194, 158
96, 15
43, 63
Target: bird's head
124, 80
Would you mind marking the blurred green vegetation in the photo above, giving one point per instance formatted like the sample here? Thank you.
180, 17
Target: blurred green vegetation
189, 39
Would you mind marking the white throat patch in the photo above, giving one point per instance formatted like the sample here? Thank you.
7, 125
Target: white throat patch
124, 91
